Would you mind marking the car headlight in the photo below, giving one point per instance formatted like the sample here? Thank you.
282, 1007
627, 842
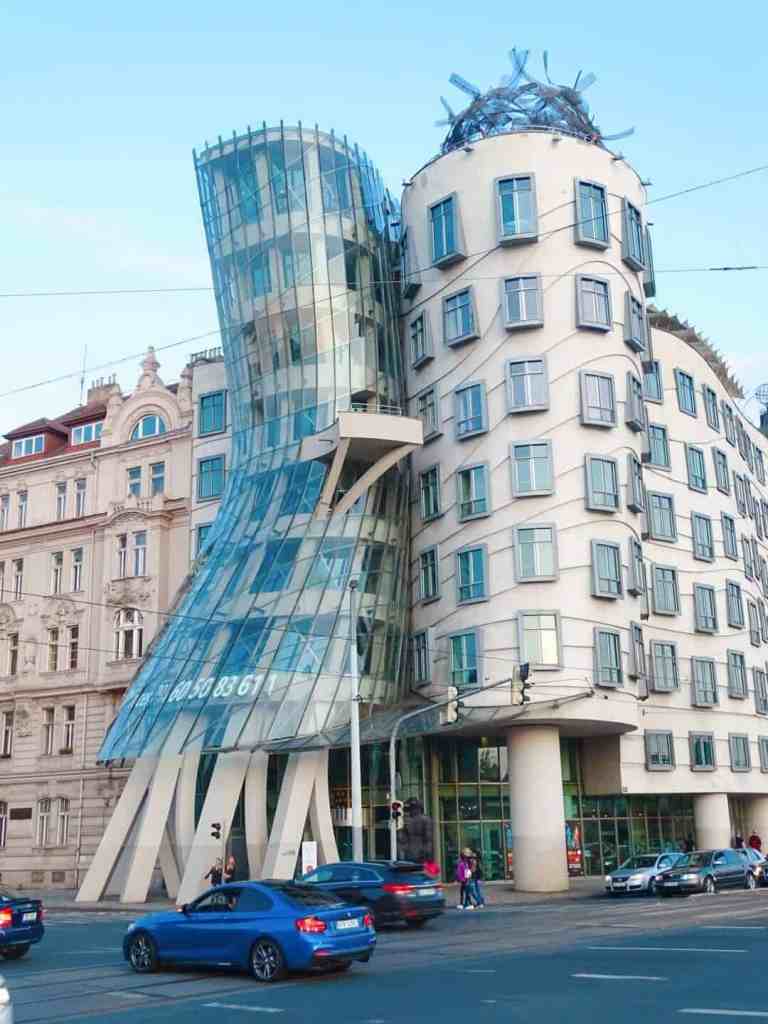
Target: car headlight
608, 879
689, 878
637, 878
5, 996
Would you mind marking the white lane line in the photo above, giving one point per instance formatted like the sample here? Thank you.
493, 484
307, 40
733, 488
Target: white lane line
96, 949
621, 977
733, 927
246, 1009
478, 970
727, 1013
665, 949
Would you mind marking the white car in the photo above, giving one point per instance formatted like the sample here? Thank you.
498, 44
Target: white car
6, 1010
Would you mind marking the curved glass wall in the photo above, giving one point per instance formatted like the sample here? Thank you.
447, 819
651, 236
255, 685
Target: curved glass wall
302, 241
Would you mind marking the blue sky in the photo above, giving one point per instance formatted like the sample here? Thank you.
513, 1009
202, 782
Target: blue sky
101, 105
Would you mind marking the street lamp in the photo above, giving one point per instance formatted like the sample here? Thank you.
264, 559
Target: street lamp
354, 732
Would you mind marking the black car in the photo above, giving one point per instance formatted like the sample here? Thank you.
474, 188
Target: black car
21, 923
757, 862
708, 871
395, 891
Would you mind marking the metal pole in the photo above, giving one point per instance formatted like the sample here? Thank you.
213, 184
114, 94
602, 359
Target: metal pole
393, 791
354, 733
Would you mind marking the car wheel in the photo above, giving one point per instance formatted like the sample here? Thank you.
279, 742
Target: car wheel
267, 961
340, 968
709, 886
142, 953
749, 881
15, 952
653, 889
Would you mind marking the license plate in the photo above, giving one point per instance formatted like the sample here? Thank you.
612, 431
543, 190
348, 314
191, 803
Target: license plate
427, 892
30, 917
342, 926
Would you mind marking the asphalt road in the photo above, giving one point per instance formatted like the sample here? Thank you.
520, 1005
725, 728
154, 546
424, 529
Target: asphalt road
629, 959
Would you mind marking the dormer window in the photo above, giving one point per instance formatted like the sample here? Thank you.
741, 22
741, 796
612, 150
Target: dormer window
86, 433
28, 446
148, 426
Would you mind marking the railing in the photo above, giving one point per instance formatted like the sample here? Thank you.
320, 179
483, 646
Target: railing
206, 355
388, 410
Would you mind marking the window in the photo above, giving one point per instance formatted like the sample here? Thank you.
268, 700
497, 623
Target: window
73, 646
122, 556
703, 537
129, 634
86, 433
633, 236
473, 496
602, 484
459, 318
762, 743
13, 654
737, 675
729, 423
730, 544
48, 727
711, 410
666, 593
429, 574
704, 608
523, 301
606, 570
80, 494
28, 446
465, 670
23, 507
754, 624
57, 571
43, 821
704, 682
3, 823
427, 407
202, 537
636, 584
210, 477
734, 605
686, 392
653, 385
148, 426
635, 332
535, 553
6, 734
62, 822
598, 399
429, 488
422, 668
746, 549
608, 665
18, 579
77, 569
471, 575
658, 446
444, 232
68, 730
763, 620
527, 388
140, 553
539, 639
702, 751
53, 650
593, 303
591, 215
134, 481
697, 468
635, 488
516, 198
5, 502
761, 691
738, 746
722, 476
157, 478
421, 345
212, 413
634, 411
760, 465
637, 666
532, 472
471, 414
61, 500
738, 490
662, 524
659, 751
664, 672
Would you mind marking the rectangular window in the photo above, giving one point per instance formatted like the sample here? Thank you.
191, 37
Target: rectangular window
697, 468
738, 746
57, 571
539, 639
666, 594
734, 605
592, 215
535, 553
74, 646
429, 490
212, 415
760, 465
465, 661
134, 481
210, 477
705, 608
658, 446
527, 389
738, 491
761, 691
711, 410
686, 392
728, 423
598, 399
86, 433
518, 221
471, 413
157, 478
61, 501
659, 751
606, 570
635, 487
730, 544
422, 668
702, 751
608, 664
704, 682
261, 275
18, 579
473, 492
664, 673
722, 476
80, 495
62, 822
737, 675
532, 472
593, 303
5, 503
634, 410
28, 446
23, 508
427, 411
459, 318
429, 574
633, 236
662, 523
6, 734
636, 584
635, 332
122, 555
202, 537
13, 654
443, 232
471, 575
602, 484
140, 553
68, 730
43, 821
637, 666
754, 624
421, 346
48, 727
653, 385
762, 743
523, 301
703, 537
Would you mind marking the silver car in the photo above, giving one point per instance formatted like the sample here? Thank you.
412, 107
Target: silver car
638, 873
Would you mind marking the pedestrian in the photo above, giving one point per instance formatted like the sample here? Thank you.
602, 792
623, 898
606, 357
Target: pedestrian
688, 844
215, 872
738, 841
230, 871
464, 878
476, 884
755, 841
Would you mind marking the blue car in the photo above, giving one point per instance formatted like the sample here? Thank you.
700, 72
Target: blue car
21, 924
267, 928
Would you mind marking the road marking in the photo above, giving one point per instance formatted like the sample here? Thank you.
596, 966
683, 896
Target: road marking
247, 1009
666, 949
479, 970
727, 1013
96, 949
733, 927
621, 977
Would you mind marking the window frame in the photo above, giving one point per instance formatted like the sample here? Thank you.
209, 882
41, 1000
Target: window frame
670, 743
741, 736
695, 701
728, 551
658, 373
589, 496
760, 690
215, 430
598, 667
736, 663
485, 594
535, 492
524, 654
436, 430
421, 656
698, 623
723, 487
514, 410
221, 457
586, 419
653, 677
675, 583
637, 583
18, 445
520, 576
478, 667
692, 738
634, 316
634, 406
580, 238
734, 621
418, 360
537, 321
699, 553
637, 262
595, 545
457, 253
434, 468
680, 390
457, 392
663, 430
519, 237
693, 485
711, 407
467, 517
635, 496
432, 549
581, 320
652, 533
473, 331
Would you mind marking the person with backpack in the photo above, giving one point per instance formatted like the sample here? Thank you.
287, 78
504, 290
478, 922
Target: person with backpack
464, 878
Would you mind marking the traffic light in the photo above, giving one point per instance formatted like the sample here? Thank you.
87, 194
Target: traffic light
215, 830
450, 712
396, 813
521, 685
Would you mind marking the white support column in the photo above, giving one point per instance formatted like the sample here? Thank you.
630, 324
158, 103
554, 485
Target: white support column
320, 817
712, 819
255, 802
184, 806
537, 811
168, 866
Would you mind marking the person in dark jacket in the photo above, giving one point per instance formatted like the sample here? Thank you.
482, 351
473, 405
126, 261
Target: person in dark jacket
476, 883
215, 872
464, 878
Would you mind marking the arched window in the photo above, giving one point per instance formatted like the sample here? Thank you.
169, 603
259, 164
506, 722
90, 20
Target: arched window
148, 426
3, 823
129, 634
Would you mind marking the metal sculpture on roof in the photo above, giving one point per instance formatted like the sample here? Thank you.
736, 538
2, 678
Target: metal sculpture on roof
523, 103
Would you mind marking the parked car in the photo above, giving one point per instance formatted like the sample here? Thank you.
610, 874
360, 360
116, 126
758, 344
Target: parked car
395, 891
21, 924
6, 1009
757, 862
268, 928
640, 874
708, 871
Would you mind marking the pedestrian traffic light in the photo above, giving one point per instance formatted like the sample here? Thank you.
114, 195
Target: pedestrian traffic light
396, 812
215, 830
521, 684
450, 712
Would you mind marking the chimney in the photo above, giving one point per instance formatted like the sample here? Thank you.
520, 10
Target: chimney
101, 389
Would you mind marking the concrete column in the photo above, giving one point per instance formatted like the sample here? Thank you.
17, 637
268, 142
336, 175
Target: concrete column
255, 805
320, 817
184, 806
538, 813
758, 819
712, 819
